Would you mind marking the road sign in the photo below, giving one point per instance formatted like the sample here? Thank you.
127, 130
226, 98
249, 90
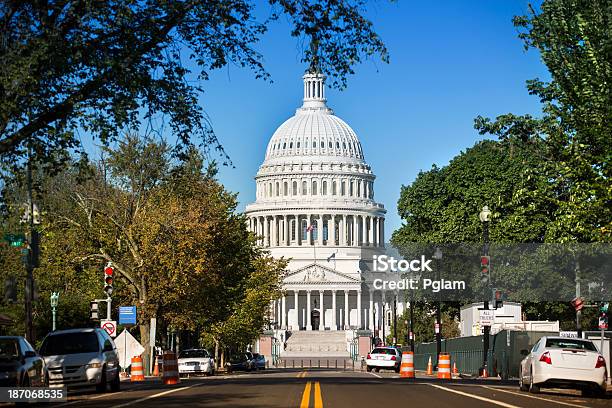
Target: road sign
110, 326
127, 315
15, 240
437, 328
603, 323
577, 303
487, 317
570, 334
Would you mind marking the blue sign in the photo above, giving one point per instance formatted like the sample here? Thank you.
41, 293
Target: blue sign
127, 315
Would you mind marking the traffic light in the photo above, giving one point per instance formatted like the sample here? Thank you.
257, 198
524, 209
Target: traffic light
108, 279
93, 310
485, 266
498, 301
603, 315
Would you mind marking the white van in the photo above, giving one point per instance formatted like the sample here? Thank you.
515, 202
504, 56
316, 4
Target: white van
81, 357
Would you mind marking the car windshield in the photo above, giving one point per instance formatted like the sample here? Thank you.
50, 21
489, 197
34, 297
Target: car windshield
193, 354
238, 358
70, 343
570, 344
9, 348
383, 351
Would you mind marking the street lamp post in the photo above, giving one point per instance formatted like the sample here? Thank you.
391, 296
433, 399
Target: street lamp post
54, 302
394, 320
485, 218
438, 327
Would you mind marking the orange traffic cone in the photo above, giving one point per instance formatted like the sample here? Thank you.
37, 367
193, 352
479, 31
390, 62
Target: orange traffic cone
484, 372
429, 367
156, 368
455, 371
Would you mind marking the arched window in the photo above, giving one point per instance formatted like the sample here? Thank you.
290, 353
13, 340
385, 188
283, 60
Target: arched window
285, 188
324, 187
293, 230
322, 144
315, 230
314, 144
314, 187
277, 188
269, 189
304, 230
337, 145
325, 230
284, 145
334, 188
291, 145
343, 188
295, 188
298, 145
304, 188
329, 145
351, 188
359, 189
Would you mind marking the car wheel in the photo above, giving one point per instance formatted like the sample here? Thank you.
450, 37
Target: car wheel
534, 389
397, 369
101, 387
377, 369
116, 383
369, 369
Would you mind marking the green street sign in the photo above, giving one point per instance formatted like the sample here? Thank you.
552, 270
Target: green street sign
15, 240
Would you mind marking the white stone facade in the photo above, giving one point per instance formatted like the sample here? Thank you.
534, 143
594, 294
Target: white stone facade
315, 205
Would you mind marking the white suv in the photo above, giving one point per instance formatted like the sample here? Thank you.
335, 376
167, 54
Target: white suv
81, 357
388, 358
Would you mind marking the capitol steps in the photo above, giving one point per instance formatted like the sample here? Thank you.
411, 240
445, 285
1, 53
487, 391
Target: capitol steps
316, 344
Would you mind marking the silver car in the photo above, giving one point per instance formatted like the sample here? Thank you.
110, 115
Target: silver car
81, 357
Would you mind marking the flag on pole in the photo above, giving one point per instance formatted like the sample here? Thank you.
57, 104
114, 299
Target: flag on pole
332, 256
310, 228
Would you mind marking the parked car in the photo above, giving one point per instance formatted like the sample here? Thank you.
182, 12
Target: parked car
81, 357
241, 362
388, 358
560, 362
20, 365
195, 361
260, 361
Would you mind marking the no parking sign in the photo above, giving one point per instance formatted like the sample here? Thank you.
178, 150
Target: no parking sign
110, 326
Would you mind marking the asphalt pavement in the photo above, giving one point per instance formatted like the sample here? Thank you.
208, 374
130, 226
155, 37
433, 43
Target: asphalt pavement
303, 388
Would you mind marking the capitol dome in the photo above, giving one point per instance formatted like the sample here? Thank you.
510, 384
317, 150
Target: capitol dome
314, 131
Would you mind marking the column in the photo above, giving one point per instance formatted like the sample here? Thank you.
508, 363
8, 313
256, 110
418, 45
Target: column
346, 310
371, 232
355, 231
298, 231
308, 320
375, 231
322, 312
371, 315
359, 309
334, 326
266, 241
320, 231
273, 232
284, 312
331, 228
342, 231
364, 230
297, 309
286, 226
382, 232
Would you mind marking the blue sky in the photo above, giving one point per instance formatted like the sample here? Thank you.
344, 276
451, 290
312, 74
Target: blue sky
450, 61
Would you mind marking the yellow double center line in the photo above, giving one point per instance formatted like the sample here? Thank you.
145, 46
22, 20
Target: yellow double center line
318, 400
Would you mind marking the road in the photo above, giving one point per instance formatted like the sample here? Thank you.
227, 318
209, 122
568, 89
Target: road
327, 388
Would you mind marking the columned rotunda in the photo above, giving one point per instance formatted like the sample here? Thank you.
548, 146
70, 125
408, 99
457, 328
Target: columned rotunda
315, 205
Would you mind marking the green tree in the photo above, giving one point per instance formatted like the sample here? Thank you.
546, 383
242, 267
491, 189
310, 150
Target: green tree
103, 66
573, 38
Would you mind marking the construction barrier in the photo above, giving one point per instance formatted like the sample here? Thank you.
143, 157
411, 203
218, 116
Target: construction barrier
407, 366
137, 373
170, 368
429, 367
444, 366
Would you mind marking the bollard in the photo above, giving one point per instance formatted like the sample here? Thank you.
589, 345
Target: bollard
170, 369
136, 370
444, 367
407, 366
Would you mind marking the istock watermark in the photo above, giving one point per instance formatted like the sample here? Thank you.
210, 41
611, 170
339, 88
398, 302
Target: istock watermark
385, 263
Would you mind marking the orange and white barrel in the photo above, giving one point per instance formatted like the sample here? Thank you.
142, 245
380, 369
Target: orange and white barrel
444, 366
407, 367
170, 373
136, 370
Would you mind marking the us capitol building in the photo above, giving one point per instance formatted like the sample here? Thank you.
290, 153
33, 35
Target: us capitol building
315, 204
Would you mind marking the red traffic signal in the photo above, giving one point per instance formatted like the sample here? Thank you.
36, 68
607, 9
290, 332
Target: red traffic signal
485, 264
108, 279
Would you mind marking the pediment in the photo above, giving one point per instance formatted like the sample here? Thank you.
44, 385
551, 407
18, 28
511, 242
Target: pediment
315, 273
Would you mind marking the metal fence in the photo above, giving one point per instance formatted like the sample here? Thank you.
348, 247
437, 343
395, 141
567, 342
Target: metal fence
336, 364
